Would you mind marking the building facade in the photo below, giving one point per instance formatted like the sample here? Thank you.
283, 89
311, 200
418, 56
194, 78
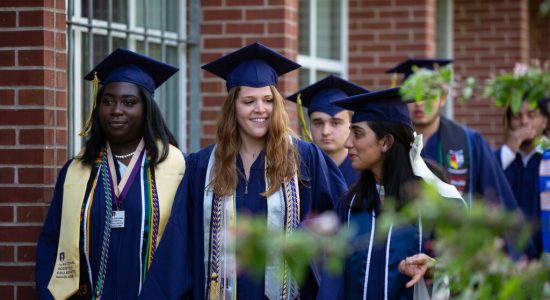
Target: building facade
47, 45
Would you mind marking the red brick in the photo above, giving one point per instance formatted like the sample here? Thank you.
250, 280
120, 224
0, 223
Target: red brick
36, 18
36, 58
60, 40
7, 137
7, 19
61, 137
61, 80
24, 38
60, 4
61, 116
223, 42
27, 156
7, 58
24, 194
6, 214
222, 15
27, 77
251, 28
7, 175
265, 14
26, 253
27, 3
243, 2
25, 292
37, 97
60, 60
7, 97
19, 234
27, 117
208, 29
7, 291
16, 273
60, 22
61, 99
36, 175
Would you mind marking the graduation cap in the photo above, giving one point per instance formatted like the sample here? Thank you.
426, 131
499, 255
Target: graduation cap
385, 105
406, 67
123, 65
254, 65
317, 96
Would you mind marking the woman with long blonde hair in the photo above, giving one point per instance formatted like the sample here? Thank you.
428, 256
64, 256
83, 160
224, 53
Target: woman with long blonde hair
257, 167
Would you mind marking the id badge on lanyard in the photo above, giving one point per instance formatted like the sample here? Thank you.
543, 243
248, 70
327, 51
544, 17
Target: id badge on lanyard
117, 219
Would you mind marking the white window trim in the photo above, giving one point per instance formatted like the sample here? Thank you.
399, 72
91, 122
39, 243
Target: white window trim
314, 63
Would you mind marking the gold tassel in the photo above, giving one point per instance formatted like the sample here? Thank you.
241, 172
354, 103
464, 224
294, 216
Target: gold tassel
86, 129
305, 132
393, 80
214, 287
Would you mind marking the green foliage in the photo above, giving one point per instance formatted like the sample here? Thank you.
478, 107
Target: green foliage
545, 8
469, 248
317, 240
431, 85
509, 89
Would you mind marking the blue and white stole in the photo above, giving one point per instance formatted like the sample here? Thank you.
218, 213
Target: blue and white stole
544, 183
220, 218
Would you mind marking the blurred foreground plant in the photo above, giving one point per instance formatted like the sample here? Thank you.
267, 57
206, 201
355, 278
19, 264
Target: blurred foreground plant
470, 248
320, 239
510, 89
430, 85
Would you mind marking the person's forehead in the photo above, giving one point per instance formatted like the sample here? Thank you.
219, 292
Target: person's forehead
247, 91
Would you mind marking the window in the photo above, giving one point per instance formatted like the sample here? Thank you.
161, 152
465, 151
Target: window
151, 27
322, 41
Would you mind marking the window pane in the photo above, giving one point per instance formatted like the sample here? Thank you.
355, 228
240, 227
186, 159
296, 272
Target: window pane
153, 14
321, 74
173, 15
101, 10
328, 29
303, 27
304, 77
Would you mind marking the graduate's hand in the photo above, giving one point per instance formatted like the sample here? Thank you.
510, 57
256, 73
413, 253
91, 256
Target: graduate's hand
518, 136
417, 266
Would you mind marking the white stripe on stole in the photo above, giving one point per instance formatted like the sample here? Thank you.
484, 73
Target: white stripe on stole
387, 269
141, 176
86, 254
367, 269
419, 232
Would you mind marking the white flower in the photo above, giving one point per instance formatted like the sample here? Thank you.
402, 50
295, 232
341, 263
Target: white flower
520, 69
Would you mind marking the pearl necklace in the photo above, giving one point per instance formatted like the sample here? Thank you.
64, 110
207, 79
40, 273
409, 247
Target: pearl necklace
123, 156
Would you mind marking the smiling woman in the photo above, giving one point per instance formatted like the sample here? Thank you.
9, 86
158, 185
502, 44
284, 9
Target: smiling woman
111, 202
257, 167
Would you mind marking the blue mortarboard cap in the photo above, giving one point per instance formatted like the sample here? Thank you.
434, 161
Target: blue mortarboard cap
317, 96
254, 66
406, 66
386, 105
123, 65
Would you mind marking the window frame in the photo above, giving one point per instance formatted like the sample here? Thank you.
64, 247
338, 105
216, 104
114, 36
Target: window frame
78, 26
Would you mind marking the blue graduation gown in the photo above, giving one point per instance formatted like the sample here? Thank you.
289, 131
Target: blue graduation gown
350, 175
383, 277
488, 179
122, 279
178, 269
524, 181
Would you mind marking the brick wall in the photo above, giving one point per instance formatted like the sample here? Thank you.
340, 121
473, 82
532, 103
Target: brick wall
383, 33
490, 36
230, 24
32, 131
539, 33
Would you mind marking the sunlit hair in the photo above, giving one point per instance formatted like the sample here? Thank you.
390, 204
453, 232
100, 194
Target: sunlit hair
280, 154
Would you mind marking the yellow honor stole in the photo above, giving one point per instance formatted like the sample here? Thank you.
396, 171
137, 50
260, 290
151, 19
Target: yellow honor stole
66, 274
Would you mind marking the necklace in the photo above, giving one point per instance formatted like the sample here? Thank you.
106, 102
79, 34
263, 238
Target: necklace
123, 156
